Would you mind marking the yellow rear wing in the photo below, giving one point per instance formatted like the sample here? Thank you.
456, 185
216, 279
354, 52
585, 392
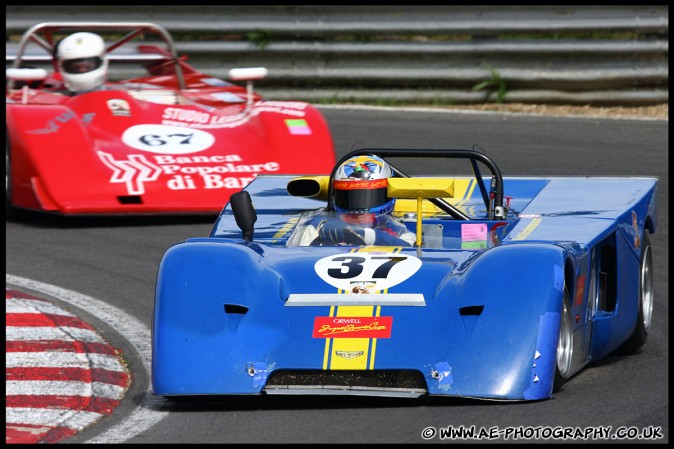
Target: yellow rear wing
418, 189
408, 191
402, 188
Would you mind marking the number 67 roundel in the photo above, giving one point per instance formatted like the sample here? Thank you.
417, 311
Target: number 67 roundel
384, 270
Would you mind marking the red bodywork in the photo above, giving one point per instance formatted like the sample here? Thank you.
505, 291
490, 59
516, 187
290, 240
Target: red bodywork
145, 145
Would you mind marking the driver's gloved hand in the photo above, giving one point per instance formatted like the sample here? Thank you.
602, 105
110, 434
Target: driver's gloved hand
335, 231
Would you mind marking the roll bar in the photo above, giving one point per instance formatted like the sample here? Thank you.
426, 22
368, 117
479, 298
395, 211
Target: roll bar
493, 200
42, 34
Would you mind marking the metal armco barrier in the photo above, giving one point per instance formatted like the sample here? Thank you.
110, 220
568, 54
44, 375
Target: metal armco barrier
589, 55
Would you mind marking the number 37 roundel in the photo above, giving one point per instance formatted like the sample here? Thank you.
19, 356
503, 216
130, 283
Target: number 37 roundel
384, 270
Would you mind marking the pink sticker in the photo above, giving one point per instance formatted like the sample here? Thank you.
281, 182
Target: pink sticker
298, 126
473, 232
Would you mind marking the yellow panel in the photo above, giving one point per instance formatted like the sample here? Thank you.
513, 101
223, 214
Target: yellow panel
351, 344
428, 208
463, 189
420, 187
332, 345
379, 249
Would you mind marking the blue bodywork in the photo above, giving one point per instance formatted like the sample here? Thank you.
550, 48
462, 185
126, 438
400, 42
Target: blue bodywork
487, 324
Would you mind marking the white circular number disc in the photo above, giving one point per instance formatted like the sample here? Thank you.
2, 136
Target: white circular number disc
379, 271
166, 139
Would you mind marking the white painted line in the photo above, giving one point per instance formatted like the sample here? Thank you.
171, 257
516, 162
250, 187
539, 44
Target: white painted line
129, 327
66, 418
448, 110
21, 305
19, 333
63, 388
55, 359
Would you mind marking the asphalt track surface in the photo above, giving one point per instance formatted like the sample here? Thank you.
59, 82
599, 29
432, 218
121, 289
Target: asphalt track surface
103, 271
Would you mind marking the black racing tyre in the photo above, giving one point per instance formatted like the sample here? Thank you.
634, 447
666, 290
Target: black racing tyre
12, 213
9, 209
646, 299
564, 343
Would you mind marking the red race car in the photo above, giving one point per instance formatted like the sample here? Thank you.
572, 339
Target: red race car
168, 140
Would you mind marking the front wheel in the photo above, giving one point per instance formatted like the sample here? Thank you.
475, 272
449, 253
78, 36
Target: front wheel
564, 343
646, 299
9, 209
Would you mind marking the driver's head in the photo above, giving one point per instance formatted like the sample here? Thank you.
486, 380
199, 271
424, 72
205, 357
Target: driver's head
82, 61
360, 186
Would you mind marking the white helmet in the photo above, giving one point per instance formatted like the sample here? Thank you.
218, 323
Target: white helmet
82, 61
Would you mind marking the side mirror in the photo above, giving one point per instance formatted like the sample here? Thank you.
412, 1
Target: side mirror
244, 213
248, 75
26, 75
21, 74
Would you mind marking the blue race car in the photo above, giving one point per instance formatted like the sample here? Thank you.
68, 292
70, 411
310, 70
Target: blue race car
507, 288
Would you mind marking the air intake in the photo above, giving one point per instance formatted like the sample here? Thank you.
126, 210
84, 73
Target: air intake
389, 383
130, 199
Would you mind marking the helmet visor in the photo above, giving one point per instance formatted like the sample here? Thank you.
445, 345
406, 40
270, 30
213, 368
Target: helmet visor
82, 65
360, 196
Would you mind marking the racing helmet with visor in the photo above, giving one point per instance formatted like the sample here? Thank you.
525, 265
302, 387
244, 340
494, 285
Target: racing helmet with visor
82, 61
360, 186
